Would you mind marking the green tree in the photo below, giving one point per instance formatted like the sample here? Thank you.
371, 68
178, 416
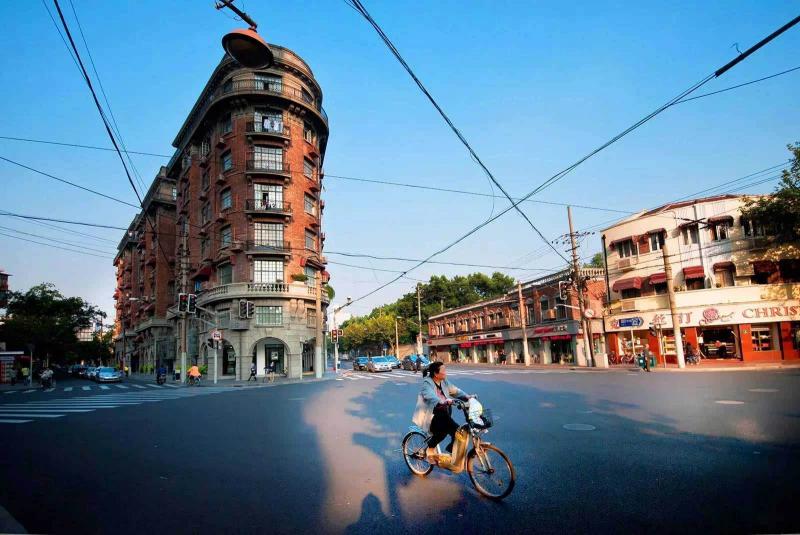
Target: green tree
596, 262
42, 316
780, 212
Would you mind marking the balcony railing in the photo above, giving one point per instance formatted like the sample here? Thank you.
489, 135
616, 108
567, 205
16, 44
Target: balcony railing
270, 87
265, 166
271, 207
268, 247
264, 127
258, 289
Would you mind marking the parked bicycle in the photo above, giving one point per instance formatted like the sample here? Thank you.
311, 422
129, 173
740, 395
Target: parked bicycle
489, 469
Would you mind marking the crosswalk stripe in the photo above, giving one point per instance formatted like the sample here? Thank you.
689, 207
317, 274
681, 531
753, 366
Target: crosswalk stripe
32, 415
172, 386
138, 386
104, 387
121, 386
29, 391
154, 386
68, 389
86, 387
4, 421
10, 392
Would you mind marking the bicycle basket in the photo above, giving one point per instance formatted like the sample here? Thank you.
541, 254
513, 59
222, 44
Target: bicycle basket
484, 420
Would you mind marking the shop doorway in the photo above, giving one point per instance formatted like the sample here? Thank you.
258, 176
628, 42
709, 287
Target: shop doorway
562, 350
269, 350
718, 343
227, 356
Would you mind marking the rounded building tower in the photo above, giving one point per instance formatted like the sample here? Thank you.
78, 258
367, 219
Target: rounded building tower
249, 217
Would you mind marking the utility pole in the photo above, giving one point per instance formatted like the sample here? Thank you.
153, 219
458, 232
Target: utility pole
676, 326
182, 320
319, 362
525, 353
396, 340
419, 323
579, 283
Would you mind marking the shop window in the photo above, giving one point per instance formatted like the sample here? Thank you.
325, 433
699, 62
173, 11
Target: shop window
724, 278
796, 334
627, 248
225, 274
762, 338
656, 241
720, 231
690, 234
630, 293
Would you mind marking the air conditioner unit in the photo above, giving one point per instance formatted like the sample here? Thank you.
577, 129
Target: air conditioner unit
628, 305
626, 264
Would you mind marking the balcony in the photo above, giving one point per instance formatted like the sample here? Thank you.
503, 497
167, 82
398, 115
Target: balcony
754, 293
260, 129
259, 206
268, 87
247, 290
264, 167
268, 247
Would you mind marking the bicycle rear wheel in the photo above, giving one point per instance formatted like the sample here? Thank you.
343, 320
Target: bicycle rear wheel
491, 472
414, 453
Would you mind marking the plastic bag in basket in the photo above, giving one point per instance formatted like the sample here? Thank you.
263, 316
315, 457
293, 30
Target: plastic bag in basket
475, 411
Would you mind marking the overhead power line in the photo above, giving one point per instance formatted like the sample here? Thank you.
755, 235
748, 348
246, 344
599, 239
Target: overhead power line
62, 242
738, 85
68, 222
79, 146
55, 246
385, 38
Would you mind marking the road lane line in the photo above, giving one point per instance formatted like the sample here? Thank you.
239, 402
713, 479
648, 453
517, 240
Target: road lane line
138, 386
49, 389
10, 392
29, 415
154, 386
172, 386
104, 387
29, 391
4, 421
39, 411
68, 389
86, 388
121, 386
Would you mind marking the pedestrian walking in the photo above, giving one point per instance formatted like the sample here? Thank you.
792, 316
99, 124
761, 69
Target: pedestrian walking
502, 355
272, 366
25, 374
252, 373
418, 364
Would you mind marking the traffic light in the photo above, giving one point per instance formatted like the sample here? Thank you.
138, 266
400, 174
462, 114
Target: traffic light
183, 302
191, 304
251, 309
335, 335
242, 308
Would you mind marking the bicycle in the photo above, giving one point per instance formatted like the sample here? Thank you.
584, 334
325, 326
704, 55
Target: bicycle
193, 381
493, 478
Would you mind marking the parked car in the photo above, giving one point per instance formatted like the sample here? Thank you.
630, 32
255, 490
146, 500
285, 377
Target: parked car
108, 375
82, 370
379, 364
410, 362
360, 363
394, 361
90, 372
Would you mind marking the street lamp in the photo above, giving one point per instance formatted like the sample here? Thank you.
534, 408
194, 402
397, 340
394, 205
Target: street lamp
396, 338
244, 44
336, 343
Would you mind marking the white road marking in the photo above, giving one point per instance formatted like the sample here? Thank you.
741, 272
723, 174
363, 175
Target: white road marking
729, 402
31, 415
68, 389
154, 386
4, 421
579, 427
10, 392
86, 388
763, 390
104, 387
121, 386
172, 386
49, 389
29, 391
138, 386
43, 410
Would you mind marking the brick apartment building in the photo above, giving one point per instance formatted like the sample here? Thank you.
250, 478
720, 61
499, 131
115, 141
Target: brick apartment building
245, 224
737, 292
478, 332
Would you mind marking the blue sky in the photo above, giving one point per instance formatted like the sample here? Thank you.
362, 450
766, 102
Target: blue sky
533, 86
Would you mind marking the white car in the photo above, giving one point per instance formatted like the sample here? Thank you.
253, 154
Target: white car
107, 375
379, 364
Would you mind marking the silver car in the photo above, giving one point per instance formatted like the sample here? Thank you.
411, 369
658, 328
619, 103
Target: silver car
90, 372
379, 364
107, 375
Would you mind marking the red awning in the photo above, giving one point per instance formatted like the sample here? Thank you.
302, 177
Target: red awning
724, 266
615, 242
694, 272
203, 273
721, 219
658, 278
465, 345
627, 284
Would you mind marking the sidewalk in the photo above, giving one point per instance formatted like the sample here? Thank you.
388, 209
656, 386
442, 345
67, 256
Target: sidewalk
235, 383
704, 366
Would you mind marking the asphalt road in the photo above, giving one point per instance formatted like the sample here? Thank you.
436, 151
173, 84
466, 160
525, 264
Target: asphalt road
662, 455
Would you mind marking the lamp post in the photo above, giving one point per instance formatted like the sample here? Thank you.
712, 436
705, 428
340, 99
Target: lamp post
396, 338
336, 341
245, 45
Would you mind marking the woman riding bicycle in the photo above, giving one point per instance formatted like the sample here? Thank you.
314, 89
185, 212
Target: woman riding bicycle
433, 411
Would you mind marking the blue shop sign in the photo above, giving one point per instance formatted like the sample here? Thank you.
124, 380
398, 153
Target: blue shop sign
631, 322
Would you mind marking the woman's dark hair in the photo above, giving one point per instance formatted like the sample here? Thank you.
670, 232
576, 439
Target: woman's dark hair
433, 369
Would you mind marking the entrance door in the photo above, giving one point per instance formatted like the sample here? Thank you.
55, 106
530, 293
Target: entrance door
274, 354
308, 358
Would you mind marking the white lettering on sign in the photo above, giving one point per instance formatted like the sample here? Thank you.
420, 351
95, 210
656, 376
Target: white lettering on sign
715, 315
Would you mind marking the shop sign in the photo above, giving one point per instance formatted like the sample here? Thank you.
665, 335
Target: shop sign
711, 315
485, 336
551, 329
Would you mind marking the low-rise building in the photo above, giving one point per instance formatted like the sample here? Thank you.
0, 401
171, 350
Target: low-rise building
736, 294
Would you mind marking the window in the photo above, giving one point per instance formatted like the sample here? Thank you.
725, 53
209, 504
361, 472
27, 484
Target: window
724, 277
311, 241
268, 196
627, 248
226, 162
656, 241
660, 288
271, 315
205, 147
795, 334
306, 95
227, 123
762, 338
225, 200
308, 169
531, 315
269, 158
267, 121
174, 193
630, 293
561, 310
204, 181
696, 284
311, 276
268, 271
544, 307
754, 228
203, 247
308, 133
269, 234
225, 274
720, 231
224, 318
184, 227
311, 317
264, 82
690, 235
205, 213
480, 322
310, 204
225, 237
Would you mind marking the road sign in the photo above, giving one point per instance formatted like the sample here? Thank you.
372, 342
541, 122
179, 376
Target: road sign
588, 313
340, 332
216, 335
631, 322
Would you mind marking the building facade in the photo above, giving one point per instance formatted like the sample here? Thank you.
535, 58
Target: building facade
479, 332
737, 292
247, 224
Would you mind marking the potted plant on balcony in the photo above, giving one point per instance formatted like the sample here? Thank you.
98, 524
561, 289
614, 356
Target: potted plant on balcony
299, 277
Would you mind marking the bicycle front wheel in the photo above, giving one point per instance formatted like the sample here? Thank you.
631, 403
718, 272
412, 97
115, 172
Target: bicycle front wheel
490, 471
414, 453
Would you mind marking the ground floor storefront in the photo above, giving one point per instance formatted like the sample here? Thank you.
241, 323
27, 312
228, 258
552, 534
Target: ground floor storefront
744, 333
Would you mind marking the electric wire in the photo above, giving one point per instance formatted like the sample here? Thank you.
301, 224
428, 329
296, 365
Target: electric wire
738, 86
55, 246
62, 242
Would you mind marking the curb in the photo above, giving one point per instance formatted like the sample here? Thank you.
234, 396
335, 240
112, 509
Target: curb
687, 369
8, 524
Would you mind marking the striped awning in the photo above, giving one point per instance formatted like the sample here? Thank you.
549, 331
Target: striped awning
658, 278
694, 272
627, 284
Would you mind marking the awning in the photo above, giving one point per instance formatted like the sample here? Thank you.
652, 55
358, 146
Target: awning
203, 273
615, 242
465, 345
657, 231
658, 278
724, 266
627, 284
694, 272
721, 219
687, 224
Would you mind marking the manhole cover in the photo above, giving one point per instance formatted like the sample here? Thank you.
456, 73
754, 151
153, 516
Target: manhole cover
729, 402
579, 427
